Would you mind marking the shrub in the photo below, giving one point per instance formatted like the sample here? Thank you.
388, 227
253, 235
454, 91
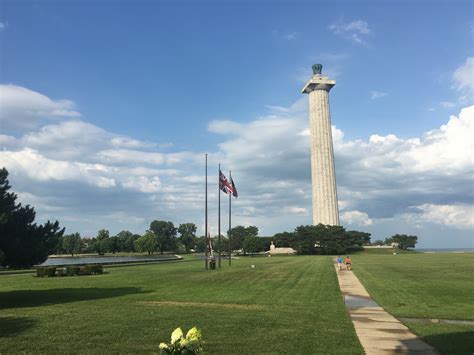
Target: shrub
46, 271
93, 269
40, 271
51, 271
72, 270
61, 271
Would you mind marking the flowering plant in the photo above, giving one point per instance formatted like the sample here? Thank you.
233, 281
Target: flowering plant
191, 344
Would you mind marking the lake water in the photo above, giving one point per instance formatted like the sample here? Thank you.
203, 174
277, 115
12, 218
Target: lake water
82, 260
446, 250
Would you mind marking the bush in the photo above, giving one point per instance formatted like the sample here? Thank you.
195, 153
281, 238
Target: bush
93, 269
72, 270
48, 271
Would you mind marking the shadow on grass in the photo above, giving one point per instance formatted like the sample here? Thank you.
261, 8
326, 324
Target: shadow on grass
11, 326
452, 343
35, 298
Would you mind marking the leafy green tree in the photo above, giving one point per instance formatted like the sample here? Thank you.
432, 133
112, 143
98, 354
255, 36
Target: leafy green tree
23, 242
358, 239
200, 244
284, 239
239, 233
72, 244
165, 233
187, 233
114, 244
403, 241
102, 242
147, 243
126, 240
251, 245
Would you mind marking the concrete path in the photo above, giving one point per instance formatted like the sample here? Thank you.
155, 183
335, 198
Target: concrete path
378, 332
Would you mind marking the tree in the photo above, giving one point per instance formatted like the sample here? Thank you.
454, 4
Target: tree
147, 243
126, 241
239, 233
187, 233
72, 244
102, 242
200, 244
284, 239
23, 242
251, 245
403, 241
165, 233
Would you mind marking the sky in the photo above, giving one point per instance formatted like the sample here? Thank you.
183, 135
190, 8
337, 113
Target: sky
108, 107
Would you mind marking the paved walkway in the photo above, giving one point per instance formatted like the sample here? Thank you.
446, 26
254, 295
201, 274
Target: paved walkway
378, 332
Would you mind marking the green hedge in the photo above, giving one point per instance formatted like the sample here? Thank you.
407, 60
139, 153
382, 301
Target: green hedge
72, 270
93, 269
50, 271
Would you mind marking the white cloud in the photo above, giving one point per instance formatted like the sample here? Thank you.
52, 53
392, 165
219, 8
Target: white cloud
357, 31
356, 218
97, 174
460, 216
290, 36
464, 76
39, 168
447, 104
374, 95
21, 108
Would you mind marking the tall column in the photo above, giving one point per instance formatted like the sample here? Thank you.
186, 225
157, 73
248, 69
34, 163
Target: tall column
323, 175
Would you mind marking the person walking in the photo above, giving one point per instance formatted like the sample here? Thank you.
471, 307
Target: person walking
348, 263
339, 262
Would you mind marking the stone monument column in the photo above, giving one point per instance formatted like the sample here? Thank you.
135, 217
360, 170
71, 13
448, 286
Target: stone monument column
323, 175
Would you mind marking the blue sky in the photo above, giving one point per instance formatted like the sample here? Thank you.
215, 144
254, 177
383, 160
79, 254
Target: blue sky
126, 96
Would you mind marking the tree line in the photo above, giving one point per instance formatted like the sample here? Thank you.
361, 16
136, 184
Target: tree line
24, 243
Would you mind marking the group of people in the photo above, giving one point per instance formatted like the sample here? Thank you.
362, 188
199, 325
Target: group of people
347, 262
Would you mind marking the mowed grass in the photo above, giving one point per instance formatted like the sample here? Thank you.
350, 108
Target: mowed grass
283, 305
433, 286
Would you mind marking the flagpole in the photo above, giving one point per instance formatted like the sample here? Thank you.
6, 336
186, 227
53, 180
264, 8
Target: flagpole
205, 223
219, 219
230, 221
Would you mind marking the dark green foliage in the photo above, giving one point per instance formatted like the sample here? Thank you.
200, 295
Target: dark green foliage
239, 233
403, 241
187, 233
200, 244
48, 271
284, 239
40, 271
72, 270
322, 239
251, 245
93, 269
165, 233
102, 242
126, 241
23, 242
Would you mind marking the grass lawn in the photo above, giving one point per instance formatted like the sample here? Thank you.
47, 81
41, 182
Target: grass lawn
436, 286
283, 305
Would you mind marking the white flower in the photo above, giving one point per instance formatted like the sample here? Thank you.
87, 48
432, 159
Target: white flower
163, 346
176, 335
193, 334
